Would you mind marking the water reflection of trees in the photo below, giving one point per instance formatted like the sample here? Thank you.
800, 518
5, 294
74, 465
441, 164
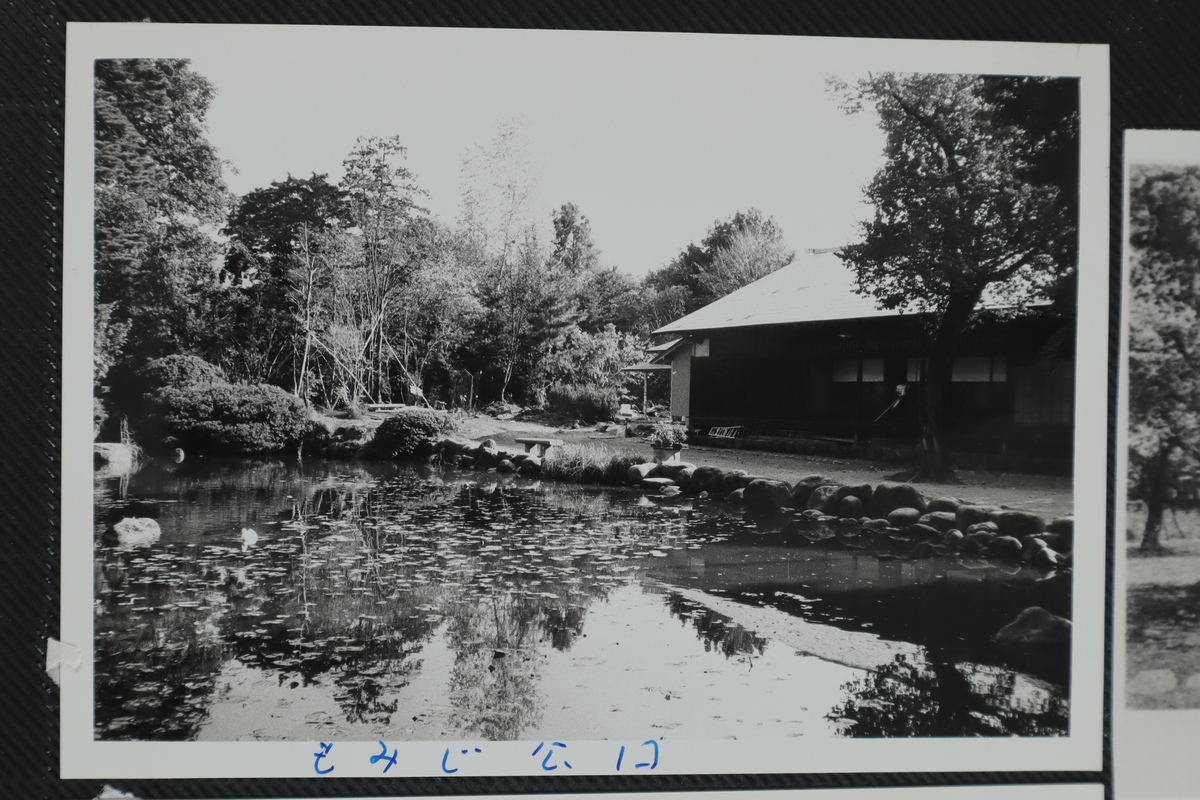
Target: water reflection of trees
941, 698
347, 586
715, 630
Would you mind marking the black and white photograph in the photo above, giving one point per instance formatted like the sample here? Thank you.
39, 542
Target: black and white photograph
1157, 698
532, 402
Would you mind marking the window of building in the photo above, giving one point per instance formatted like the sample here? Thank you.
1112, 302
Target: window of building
914, 370
978, 369
872, 370
845, 370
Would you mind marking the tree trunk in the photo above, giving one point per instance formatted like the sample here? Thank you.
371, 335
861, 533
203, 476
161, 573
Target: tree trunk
933, 451
1154, 516
933, 454
1155, 482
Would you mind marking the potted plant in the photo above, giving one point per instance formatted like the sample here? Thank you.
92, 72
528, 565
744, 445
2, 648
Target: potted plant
667, 439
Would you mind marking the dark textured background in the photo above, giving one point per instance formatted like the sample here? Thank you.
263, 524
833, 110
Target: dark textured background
1155, 61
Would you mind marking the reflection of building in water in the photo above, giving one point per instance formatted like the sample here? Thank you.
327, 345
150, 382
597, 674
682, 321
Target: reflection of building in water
902, 699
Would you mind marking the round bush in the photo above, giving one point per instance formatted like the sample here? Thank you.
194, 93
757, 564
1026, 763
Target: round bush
232, 419
403, 433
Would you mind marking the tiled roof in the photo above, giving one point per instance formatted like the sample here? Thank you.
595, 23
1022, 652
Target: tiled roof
813, 288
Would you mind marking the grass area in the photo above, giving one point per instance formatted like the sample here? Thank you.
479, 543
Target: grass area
588, 463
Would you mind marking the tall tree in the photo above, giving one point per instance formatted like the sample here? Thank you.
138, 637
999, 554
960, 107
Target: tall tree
573, 249
752, 251
498, 187
966, 205
159, 195
1164, 341
276, 260
735, 252
381, 194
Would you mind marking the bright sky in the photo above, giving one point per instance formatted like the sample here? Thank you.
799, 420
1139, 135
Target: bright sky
653, 136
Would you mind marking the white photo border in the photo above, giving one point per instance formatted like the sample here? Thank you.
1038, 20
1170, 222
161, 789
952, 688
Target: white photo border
1151, 747
1080, 750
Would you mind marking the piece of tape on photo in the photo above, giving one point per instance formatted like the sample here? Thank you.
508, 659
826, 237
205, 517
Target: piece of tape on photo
59, 654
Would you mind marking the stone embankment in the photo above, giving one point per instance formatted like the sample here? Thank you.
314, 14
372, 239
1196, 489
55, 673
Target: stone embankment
821, 509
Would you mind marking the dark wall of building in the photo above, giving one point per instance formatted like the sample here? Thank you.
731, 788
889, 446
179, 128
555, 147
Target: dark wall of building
1012, 382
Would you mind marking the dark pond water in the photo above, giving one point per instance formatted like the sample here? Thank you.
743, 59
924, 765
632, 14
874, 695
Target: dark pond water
383, 601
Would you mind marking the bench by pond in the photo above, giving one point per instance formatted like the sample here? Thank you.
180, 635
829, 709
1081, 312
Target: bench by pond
542, 445
386, 408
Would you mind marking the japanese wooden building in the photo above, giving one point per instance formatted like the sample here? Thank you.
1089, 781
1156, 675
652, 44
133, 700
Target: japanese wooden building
800, 353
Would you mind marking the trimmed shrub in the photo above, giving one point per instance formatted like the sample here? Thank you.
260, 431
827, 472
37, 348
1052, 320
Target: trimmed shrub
179, 370
587, 403
403, 433
231, 419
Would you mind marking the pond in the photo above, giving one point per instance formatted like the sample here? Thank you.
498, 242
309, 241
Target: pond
364, 601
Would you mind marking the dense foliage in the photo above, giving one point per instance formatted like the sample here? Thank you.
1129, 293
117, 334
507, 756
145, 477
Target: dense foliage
345, 291
406, 432
1164, 341
584, 403
178, 371
231, 419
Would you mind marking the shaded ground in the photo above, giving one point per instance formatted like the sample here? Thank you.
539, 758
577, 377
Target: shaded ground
1162, 637
1049, 496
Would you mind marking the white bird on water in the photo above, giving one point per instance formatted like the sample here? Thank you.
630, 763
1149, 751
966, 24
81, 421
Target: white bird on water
249, 538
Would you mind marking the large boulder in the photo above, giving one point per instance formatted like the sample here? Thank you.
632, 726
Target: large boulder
763, 494
1062, 525
673, 468
982, 527
487, 457
976, 544
506, 466
657, 483
823, 499
639, 472
738, 479
862, 491
900, 517
889, 496
707, 479
920, 533
1064, 529
530, 466
804, 489
1042, 556
850, 507
684, 476
1034, 627
135, 531
1005, 548
948, 504
1018, 523
942, 520
972, 514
